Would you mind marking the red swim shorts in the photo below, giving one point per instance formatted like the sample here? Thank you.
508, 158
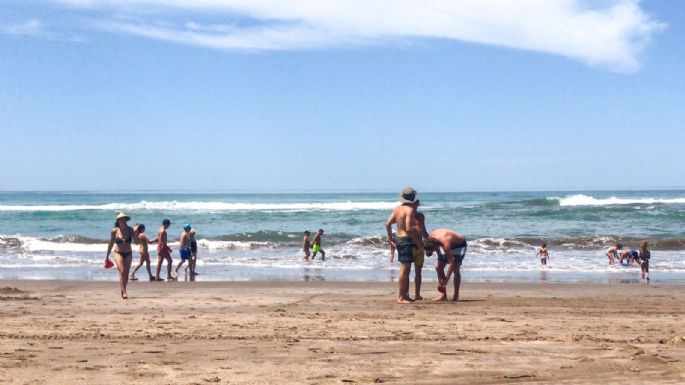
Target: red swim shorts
164, 253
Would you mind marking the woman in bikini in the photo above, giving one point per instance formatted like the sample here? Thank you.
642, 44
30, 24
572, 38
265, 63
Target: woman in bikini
142, 240
122, 236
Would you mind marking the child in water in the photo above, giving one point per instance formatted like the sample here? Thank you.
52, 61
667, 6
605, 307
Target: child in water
305, 245
142, 240
544, 254
644, 261
612, 252
316, 248
192, 262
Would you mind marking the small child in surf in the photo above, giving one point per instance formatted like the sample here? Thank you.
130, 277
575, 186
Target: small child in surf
316, 245
193, 254
392, 248
306, 245
630, 256
544, 254
612, 252
644, 261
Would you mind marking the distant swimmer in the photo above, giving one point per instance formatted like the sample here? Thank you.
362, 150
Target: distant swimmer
612, 252
406, 240
316, 245
306, 245
142, 240
454, 247
544, 254
121, 236
644, 257
163, 250
184, 249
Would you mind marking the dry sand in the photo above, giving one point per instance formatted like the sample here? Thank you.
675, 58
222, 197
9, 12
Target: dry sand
339, 333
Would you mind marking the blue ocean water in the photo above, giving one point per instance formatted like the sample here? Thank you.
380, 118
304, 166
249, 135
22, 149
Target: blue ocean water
257, 236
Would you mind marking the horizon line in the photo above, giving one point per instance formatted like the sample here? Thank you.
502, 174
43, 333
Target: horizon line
320, 191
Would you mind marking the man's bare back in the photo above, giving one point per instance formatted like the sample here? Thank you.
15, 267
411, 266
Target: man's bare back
447, 238
403, 217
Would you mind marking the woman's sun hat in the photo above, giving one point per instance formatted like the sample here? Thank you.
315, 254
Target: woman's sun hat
123, 216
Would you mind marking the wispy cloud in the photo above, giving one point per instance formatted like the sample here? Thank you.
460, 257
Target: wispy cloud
31, 27
609, 33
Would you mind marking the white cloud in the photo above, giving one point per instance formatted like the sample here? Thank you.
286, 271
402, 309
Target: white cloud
29, 27
610, 35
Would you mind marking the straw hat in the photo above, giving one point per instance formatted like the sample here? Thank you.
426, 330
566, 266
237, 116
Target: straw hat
121, 215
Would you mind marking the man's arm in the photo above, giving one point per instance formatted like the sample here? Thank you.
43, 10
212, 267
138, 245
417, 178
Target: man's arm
388, 228
450, 258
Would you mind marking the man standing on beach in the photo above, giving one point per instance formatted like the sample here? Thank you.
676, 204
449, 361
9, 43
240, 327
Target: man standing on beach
163, 250
419, 253
454, 246
407, 239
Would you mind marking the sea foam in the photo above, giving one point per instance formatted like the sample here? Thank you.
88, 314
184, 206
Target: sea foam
584, 200
210, 206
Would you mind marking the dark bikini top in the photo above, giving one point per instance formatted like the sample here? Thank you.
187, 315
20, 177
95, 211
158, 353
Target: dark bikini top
128, 239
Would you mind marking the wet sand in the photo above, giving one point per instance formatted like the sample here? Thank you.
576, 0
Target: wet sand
55, 332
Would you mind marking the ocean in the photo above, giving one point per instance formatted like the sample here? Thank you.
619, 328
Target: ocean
63, 235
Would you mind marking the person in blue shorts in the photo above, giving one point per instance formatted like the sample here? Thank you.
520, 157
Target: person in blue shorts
454, 247
184, 249
630, 256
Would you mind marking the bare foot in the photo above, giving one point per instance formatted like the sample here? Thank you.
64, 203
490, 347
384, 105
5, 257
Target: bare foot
455, 299
403, 301
441, 297
123, 294
133, 278
418, 298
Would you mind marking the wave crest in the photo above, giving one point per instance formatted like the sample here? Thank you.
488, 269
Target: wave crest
584, 200
209, 206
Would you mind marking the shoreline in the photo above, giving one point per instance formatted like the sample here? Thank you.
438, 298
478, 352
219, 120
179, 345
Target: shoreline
321, 332
233, 273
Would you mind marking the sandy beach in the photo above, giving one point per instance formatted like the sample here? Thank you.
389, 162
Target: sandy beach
60, 332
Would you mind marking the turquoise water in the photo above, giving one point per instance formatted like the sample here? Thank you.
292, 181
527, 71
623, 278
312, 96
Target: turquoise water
257, 236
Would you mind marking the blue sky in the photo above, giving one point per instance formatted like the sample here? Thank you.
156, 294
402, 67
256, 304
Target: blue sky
331, 95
